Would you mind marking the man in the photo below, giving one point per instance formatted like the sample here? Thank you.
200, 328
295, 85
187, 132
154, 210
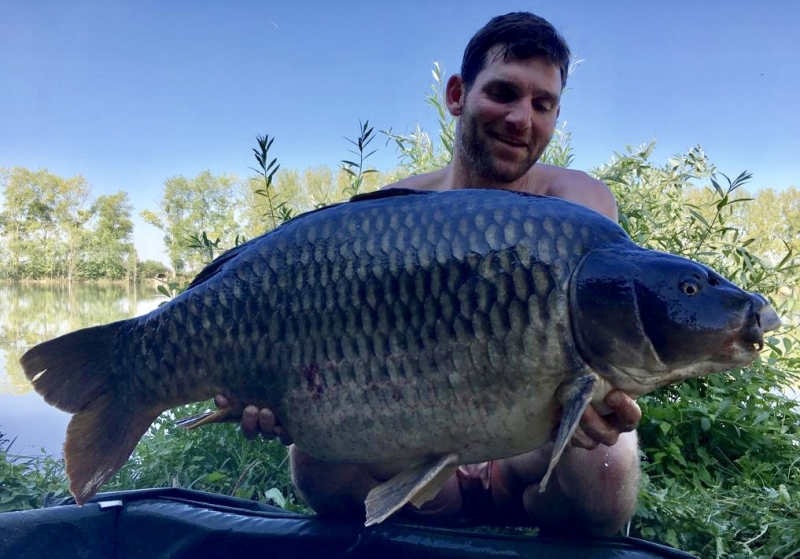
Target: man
507, 100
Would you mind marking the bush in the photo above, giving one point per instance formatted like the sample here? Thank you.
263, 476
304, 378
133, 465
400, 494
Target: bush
29, 482
720, 453
215, 458
149, 269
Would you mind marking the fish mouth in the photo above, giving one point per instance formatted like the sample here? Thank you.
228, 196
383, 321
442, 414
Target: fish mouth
760, 318
741, 347
747, 341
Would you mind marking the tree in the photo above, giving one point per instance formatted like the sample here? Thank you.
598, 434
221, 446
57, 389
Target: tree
109, 247
319, 188
26, 213
152, 269
71, 215
772, 220
42, 222
206, 203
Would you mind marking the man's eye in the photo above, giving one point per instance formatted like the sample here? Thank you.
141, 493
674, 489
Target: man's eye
502, 94
543, 107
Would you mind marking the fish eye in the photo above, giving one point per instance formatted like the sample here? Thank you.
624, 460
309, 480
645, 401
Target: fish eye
690, 288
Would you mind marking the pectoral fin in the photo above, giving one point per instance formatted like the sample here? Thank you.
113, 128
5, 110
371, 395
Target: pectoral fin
574, 397
418, 485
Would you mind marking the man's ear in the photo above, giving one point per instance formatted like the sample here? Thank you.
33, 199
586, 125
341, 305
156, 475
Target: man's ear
455, 94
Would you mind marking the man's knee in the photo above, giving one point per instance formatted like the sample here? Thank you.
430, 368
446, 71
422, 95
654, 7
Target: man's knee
329, 489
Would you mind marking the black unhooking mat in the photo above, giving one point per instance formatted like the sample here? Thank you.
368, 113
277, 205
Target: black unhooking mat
178, 523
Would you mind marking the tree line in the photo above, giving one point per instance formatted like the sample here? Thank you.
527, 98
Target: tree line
227, 210
52, 228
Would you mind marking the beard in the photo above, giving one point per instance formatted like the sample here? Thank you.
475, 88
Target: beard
481, 163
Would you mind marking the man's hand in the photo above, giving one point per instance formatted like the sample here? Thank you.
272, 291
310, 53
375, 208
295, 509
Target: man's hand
598, 429
255, 422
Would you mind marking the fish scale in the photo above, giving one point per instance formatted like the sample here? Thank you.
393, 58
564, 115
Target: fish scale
421, 329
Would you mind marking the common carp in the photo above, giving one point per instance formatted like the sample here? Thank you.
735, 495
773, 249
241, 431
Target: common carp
418, 328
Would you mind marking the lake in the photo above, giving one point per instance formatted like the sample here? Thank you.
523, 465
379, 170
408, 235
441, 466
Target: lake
33, 313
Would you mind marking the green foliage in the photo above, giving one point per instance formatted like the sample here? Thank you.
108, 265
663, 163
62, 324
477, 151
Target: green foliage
46, 227
29, 481
559, 150
773, 221
720, 476
355, 169
720, 453
207, 248
204, 203
320, 188
277, 212
418, 153
171, 289
214, 458
108, 251
149, 269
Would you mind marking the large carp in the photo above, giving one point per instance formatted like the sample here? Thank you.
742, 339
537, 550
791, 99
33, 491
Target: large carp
424, 329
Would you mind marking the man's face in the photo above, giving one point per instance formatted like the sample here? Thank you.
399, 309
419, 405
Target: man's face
508, 117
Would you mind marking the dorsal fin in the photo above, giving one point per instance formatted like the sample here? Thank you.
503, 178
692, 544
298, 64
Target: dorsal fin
216, 265
211, 270
389, 193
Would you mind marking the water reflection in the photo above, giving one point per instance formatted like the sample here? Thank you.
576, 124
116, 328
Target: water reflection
33, 313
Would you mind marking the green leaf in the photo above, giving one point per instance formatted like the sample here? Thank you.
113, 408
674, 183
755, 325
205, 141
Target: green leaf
275, 495
760, 417
163, 290
213, 477
699, 217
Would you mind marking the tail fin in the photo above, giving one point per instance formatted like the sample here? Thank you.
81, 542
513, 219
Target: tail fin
74, 373
73, 370
100, 440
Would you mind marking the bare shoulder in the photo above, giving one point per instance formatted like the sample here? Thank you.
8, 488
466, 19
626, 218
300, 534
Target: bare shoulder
434, 180
575, 186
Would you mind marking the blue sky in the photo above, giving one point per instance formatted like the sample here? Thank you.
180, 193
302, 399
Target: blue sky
129, 94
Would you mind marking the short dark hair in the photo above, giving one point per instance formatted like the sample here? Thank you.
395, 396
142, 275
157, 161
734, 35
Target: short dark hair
523, 35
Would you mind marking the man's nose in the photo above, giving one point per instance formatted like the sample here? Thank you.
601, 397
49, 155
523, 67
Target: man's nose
520, 115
